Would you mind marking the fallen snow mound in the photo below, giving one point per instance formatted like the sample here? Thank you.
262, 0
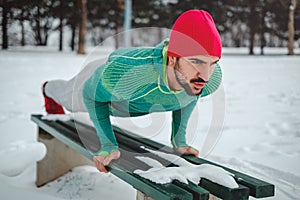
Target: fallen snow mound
17, 156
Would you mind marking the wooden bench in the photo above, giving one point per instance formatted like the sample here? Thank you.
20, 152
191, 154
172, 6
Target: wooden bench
66, 149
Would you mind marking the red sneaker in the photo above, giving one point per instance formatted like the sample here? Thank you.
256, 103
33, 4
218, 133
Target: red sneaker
52, 107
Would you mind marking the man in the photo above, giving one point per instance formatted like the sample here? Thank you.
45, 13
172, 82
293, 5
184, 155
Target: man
136, 81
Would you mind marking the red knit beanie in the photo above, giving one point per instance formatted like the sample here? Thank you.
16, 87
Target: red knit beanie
194, 33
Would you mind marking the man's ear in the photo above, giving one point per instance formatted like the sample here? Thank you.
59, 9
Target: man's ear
171, 61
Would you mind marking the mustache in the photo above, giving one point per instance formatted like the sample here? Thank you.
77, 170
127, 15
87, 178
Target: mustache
198, 80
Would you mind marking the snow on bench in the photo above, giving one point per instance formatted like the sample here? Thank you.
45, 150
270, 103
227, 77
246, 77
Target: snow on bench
150, 167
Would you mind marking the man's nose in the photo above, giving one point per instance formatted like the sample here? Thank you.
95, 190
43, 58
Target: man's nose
204, 74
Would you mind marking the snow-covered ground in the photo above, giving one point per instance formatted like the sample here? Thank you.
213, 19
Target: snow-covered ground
261, 133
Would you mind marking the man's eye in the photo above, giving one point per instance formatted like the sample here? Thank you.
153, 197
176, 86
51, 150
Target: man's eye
197, 62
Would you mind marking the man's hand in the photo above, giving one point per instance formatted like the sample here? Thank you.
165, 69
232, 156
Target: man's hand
101, 161
187, 150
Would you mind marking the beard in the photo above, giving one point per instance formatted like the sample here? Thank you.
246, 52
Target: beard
183, 82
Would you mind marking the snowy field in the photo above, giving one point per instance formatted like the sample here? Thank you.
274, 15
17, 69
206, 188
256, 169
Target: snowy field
261, 132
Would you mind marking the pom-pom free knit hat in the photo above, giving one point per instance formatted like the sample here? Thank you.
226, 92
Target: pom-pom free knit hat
194, 33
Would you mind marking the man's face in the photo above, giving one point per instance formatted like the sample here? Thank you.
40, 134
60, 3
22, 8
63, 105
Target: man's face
193, 72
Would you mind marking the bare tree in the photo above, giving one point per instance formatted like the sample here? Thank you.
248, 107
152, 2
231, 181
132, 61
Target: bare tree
82, 26
291, 27
41, 20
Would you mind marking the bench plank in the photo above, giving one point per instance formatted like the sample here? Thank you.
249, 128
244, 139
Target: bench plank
198, 193
164, 192
258, 188
130, 145
218, 190
130, 154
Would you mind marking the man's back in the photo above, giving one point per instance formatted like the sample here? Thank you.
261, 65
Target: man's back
134, 80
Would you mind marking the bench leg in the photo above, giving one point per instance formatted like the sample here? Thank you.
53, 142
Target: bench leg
59, 159
212, 197
142, 196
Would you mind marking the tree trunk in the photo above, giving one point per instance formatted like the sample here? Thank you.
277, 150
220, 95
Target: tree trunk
251, 41
262, 32
118, 21
46, 34
4, 26
117, 37
251, 25
238, 38
291, 28
262, 44
38, 36
22, 33
61, 34
82, 26
22, 28
72, 42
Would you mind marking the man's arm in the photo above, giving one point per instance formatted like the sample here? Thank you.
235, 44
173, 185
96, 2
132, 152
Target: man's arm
179, 124
99, 114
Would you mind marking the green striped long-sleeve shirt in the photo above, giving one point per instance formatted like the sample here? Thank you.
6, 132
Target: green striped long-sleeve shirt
133, 82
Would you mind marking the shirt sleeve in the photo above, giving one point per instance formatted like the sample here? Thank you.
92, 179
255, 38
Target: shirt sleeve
97, 102
179, 124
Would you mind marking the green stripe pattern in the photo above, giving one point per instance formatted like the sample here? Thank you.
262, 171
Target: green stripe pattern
133, 83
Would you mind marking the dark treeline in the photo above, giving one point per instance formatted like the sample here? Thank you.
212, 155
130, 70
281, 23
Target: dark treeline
242, 23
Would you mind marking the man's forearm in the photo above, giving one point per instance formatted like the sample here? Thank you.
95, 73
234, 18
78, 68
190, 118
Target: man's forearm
180, 120
99, 114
